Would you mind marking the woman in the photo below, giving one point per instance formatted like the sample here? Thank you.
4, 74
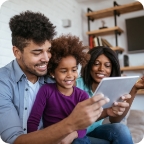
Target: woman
104, 63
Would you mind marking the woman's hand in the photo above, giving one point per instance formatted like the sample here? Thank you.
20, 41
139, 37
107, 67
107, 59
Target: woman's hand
69, 139
139, 84
119, 108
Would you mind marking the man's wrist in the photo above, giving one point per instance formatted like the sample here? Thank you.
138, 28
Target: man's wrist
69, 125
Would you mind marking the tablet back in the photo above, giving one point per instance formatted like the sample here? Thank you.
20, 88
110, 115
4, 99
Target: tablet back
115, 87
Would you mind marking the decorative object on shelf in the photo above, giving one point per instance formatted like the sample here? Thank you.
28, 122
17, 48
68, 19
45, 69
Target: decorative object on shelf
103, 25
126, 60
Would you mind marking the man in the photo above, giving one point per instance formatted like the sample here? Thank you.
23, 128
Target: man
21, 79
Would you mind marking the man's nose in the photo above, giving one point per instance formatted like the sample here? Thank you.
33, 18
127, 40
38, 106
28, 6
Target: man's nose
46, 56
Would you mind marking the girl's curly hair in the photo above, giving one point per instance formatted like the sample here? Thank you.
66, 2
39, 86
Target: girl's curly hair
67, 45
29, 26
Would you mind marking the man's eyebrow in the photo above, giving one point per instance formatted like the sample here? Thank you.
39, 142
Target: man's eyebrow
40, 49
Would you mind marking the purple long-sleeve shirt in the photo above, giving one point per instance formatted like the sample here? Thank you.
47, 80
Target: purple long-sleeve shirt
53, 106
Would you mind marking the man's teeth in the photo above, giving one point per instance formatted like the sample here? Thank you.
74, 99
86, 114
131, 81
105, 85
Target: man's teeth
42, 66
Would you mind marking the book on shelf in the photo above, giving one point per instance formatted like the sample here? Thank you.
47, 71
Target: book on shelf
97, 41
91, 44
105, 42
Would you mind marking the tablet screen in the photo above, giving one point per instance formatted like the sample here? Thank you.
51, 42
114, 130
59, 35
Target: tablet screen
115, 87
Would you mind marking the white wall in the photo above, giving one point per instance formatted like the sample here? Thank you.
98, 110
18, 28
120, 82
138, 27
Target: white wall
55, 10
134, 59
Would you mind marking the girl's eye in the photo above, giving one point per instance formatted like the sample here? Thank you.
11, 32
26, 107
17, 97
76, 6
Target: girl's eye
63, 71
74, 70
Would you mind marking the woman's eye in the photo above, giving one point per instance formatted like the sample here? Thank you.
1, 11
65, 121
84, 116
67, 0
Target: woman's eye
96, 63
108, 65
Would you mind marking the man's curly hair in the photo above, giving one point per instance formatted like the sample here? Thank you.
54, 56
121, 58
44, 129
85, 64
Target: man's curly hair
67, 45
29, 26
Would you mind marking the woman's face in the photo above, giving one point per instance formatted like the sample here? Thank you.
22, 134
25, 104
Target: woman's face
101, 68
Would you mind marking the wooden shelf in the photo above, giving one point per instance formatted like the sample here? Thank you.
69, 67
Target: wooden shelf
135, 6
131, 68
140, 92
105, 31
117, 49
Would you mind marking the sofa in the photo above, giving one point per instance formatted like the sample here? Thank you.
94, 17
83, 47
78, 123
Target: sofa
135, 122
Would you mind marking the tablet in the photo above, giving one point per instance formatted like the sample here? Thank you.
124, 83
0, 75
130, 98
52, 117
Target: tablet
115, 87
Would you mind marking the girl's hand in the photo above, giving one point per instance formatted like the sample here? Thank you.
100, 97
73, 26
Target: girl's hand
118, 108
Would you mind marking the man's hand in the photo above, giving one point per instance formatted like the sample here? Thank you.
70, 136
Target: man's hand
69, 139
86, 112
118, 108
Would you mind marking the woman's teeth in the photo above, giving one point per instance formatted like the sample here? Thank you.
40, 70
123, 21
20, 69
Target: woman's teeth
100, 75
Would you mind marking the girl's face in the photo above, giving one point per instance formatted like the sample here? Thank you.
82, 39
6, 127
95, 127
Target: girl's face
101, 68
66, 73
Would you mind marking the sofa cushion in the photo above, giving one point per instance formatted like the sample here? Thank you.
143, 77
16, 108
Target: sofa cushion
135, 122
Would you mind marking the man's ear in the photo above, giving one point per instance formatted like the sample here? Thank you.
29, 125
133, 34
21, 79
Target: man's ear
16, 52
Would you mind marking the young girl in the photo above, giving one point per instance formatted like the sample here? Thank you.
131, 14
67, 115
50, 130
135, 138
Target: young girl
56, 101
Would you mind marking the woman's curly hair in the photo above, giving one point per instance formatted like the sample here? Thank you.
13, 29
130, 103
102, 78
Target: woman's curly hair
29, 26
67, 45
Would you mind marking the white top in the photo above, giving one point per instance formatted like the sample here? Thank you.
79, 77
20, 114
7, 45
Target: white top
33, 89
29, 98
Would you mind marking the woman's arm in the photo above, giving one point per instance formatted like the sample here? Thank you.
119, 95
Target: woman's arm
120, 109
138, 85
